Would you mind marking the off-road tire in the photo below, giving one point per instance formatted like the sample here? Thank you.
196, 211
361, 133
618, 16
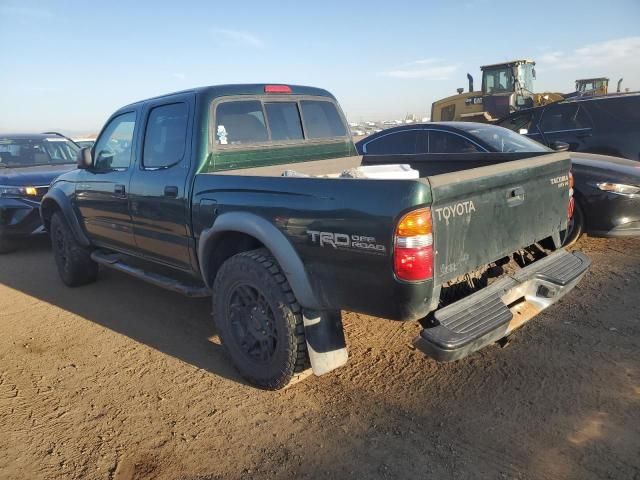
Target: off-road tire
577, 227
7, 246
258, 272
74, 263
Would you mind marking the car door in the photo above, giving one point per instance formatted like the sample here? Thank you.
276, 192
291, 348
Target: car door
159, 188
566, 122
524, 123
102, 190
448, 152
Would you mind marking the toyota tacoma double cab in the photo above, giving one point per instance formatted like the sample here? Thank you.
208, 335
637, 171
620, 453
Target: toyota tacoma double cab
255, 195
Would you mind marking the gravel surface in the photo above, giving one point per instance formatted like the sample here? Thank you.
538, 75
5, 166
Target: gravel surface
123, 380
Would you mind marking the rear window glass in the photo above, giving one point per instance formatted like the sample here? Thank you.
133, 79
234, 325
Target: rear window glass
240, 122
504, 140
250, 122
284, 120
322, 120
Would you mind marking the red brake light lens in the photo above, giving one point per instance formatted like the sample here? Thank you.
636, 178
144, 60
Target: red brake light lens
414, 264
413, 246
277, 89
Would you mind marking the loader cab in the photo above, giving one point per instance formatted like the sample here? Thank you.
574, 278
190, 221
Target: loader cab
507, 87
592, 86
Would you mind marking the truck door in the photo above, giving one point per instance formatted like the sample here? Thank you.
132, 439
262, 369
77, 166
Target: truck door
159, 187
102, 191
567, 122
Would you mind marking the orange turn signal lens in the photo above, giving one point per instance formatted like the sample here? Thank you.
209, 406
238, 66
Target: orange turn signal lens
570, 179
417, 222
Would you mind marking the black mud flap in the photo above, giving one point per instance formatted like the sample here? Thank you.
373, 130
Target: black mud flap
326, 344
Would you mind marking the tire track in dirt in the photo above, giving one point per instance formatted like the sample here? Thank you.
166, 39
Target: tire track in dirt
121, 380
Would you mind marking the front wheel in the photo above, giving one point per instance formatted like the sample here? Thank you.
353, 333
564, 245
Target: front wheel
72, 259
259, 320
575, 228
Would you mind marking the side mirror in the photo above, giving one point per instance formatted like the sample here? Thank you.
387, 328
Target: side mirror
560, 146
84, 159
533, 73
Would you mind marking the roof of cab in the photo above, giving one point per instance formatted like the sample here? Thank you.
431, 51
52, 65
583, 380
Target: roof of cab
241, 89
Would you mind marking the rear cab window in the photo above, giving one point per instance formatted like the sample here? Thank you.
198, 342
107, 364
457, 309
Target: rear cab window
276, 129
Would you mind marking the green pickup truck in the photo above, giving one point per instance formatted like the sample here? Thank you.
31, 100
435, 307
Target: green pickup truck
254, 195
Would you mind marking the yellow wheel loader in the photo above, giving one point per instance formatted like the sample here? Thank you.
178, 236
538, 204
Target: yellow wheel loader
506, 87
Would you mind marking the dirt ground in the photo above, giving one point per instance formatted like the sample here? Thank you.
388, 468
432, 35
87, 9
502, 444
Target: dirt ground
123, 380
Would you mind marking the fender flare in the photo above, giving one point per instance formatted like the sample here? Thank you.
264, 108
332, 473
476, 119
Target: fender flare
58, 197
272, 238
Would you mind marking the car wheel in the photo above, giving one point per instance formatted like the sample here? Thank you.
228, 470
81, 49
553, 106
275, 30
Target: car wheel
259, 320
72, 259
7, 245
575, 228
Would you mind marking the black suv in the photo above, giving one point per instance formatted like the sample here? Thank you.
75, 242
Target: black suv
608, 125
28, 165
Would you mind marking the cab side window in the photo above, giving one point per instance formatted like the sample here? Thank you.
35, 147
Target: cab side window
166, 136
400, 143
443, 142
564, 117
113, 148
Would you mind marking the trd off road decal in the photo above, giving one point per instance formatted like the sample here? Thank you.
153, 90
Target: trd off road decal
455, 210
361, 243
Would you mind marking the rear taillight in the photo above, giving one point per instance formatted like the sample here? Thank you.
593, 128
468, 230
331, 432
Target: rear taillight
413, 246
571, 200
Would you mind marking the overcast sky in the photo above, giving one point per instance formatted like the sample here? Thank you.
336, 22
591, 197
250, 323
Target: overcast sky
67, 65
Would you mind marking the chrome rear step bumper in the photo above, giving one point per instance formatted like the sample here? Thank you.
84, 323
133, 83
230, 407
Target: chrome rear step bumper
494, 312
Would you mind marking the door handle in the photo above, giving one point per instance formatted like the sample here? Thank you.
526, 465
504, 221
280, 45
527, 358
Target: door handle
171, 191
119, 190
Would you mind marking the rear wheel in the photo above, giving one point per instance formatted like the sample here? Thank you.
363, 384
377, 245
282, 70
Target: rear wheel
575, 228
7, 245
259, 320
72, 259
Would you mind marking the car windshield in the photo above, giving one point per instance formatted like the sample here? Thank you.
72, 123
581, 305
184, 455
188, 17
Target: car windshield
29, 152
504, 140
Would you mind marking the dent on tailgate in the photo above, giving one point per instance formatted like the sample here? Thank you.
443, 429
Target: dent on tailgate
483, 214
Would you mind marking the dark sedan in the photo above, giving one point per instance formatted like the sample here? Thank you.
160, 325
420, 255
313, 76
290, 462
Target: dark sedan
607, 125
28, 165
607, 189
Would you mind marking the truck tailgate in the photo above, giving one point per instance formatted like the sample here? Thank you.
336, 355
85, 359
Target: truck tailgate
483, 214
